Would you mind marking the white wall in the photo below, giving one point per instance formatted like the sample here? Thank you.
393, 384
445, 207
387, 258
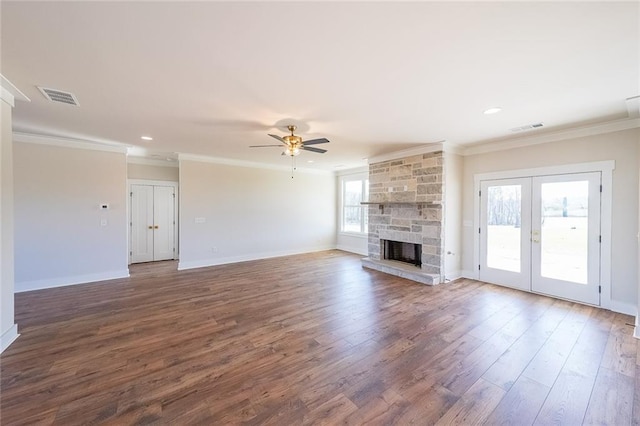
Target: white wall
59, 237
622, 147
452, 215
348, 241
152, 172
8, 329
252, 213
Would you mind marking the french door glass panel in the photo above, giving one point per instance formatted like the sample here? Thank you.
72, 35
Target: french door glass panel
505, 248
565, 238
503, 230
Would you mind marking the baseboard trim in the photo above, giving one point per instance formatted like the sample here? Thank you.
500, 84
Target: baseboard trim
452, 276
193, 264
73, 280
350, 249
8, 337
468, 275
624, 308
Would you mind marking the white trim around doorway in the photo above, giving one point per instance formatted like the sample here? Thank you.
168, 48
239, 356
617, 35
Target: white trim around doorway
606, 169
176, 187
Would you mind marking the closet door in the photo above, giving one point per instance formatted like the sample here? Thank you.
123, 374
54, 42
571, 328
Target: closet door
141, 223
152, 223
163, 222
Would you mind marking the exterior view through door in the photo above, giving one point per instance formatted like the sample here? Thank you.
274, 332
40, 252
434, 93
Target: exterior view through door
152, 224
542, 234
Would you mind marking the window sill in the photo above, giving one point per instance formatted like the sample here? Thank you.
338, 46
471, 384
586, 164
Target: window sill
362, 235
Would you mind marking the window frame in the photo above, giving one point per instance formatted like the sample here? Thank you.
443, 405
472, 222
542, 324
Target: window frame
363, 178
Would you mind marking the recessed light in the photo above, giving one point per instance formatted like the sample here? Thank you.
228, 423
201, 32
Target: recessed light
146, 138
493, 110
309, 161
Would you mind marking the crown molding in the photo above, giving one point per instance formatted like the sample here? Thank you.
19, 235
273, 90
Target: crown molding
10, 93
453, 148
151, 162
67, 142
633, 106
559, 135
352, 171
248, 164
422, 149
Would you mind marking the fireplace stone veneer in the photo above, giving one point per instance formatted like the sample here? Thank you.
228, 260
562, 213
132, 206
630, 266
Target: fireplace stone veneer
405, 205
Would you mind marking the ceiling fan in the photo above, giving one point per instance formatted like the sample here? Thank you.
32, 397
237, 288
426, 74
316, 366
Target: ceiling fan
294, 144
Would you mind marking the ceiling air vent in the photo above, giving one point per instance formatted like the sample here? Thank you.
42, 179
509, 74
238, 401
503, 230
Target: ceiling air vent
527, 127
55, 95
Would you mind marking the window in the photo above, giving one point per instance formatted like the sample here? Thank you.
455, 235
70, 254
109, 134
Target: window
354, 214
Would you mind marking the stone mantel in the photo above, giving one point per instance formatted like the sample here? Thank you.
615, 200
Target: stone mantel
405, 203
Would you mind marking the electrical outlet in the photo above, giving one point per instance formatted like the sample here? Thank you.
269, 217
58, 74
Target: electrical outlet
214, 249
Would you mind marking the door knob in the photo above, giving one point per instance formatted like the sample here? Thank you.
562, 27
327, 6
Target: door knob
150, 227
155, 227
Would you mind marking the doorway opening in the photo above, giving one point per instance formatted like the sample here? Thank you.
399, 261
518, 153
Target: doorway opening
545, 231
153, 214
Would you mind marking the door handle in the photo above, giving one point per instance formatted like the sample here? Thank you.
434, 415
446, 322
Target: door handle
150, 227
155, 227
535, 236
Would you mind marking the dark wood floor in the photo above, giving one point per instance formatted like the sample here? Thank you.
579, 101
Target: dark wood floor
313, 339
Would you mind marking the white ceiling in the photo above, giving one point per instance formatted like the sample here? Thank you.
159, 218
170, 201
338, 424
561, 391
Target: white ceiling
212, 78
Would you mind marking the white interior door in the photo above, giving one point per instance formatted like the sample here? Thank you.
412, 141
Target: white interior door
566, 236
505, 249
153, 223
141, 223
163, 222
542, 234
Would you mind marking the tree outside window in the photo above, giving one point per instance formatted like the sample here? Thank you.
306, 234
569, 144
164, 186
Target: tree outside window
354, 214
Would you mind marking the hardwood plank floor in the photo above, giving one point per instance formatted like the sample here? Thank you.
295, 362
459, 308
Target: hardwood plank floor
312, 339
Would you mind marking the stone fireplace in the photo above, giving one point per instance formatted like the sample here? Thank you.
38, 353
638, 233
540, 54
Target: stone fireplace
401, 252
405, 207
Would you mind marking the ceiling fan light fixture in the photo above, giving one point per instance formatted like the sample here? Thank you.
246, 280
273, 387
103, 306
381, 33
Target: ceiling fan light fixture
292, 151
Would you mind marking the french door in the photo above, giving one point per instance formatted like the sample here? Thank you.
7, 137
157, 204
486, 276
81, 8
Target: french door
542, 234
152, 223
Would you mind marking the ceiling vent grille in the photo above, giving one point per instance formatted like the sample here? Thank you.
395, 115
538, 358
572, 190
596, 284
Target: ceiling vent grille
55, 95
527, 127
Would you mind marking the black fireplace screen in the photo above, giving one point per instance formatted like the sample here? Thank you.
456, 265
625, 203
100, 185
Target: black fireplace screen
403, 252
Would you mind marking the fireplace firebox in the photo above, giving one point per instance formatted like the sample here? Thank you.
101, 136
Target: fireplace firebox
403, 252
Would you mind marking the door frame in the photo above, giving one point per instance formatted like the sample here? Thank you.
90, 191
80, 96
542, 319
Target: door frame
604, 167
176, 210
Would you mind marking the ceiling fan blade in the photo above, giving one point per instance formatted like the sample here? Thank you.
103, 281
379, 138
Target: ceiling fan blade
316, 141
278, 137
312, 149
265, 146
